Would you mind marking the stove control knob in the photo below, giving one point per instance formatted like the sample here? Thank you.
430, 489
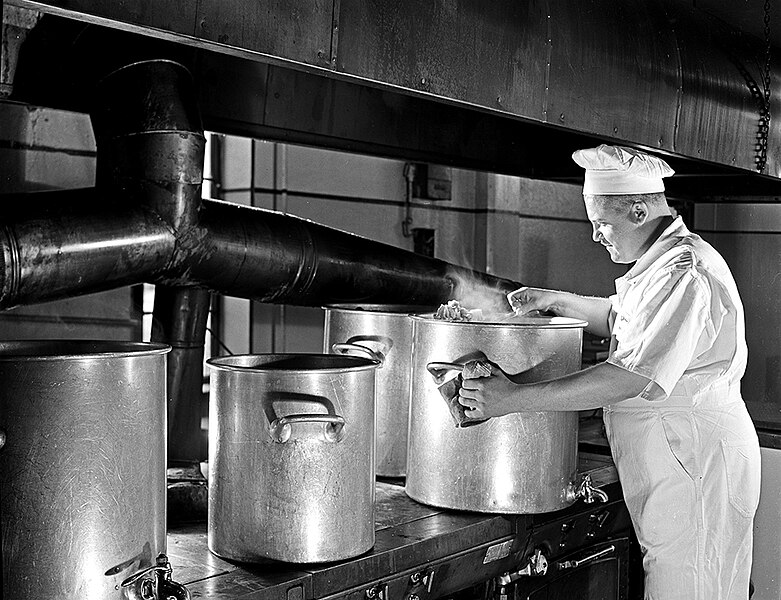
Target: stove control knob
377, 592
596, 522
537, 566
566, 529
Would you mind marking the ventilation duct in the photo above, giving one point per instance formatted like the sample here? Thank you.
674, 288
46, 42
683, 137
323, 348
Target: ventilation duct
145, 222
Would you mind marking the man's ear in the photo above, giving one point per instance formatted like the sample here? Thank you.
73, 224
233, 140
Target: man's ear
639, 212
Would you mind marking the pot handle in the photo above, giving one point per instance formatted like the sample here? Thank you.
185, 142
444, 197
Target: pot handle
281, 428
347, 348
439, 370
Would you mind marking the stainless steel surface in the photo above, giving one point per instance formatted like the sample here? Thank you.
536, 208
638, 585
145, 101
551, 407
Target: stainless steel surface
291, 457
384, 330
519, 463
83, 500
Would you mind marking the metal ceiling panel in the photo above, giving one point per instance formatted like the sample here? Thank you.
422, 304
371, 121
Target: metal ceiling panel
298, 30
176, 16
614, 70
382, 122
720, 82
481, 53
244, 106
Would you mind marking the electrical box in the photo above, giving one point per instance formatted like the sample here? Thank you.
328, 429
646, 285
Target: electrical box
423, 241
431, 182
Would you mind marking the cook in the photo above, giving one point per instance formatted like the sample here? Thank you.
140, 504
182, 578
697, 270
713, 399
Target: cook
684, 446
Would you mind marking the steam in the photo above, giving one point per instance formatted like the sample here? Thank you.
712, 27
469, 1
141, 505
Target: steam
474, 293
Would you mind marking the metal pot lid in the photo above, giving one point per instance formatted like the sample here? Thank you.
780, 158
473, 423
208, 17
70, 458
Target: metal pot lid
292, 363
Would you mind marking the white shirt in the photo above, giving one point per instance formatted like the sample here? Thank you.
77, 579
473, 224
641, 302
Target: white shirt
678, 317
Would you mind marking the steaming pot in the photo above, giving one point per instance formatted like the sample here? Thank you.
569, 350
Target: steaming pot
382, 332
83, 495
519, 463
291, 457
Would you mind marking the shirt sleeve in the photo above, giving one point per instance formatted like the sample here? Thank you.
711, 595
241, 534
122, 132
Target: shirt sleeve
658, 336
611, 318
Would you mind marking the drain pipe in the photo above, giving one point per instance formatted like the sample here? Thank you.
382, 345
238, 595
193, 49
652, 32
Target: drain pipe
180, 316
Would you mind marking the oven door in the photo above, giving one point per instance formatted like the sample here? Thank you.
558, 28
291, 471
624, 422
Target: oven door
599, 572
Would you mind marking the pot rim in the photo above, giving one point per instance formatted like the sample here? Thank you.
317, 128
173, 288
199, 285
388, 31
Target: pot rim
379, 309
276, 363
73, 349
522, 322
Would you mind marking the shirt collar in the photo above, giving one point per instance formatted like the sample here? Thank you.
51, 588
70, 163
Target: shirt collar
668, 238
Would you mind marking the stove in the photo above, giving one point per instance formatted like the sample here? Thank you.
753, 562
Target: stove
426, 553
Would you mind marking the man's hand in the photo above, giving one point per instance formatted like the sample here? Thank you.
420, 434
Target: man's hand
595, 311
492, 396
529, 299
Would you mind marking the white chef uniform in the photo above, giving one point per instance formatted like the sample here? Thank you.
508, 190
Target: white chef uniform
686, 450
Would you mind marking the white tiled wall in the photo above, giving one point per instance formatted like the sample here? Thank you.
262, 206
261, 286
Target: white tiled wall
749, 237
527, 231
540, 235
43, 149
766, 573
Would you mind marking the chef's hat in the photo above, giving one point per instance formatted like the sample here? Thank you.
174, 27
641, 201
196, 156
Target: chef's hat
612, 170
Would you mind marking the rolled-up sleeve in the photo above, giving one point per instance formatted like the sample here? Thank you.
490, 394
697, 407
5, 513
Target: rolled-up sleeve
659, 330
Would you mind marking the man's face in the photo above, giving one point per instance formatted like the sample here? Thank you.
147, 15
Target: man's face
616, 227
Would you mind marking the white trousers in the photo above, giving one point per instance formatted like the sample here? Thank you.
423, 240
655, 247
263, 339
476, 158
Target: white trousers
690, 478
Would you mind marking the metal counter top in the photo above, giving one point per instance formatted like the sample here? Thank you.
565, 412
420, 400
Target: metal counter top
410, 537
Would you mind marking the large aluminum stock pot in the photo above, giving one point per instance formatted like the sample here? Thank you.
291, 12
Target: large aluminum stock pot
83, 494
382, 332
291, 457
519, 463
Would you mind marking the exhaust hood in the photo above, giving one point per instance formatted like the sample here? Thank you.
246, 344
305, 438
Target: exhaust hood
509, 87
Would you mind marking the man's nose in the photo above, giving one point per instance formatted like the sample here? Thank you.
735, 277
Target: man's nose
595, 235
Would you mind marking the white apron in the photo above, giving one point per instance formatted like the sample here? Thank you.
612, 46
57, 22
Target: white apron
690, 478
685, 449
